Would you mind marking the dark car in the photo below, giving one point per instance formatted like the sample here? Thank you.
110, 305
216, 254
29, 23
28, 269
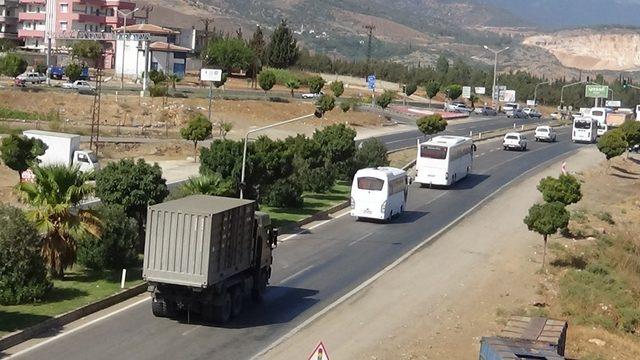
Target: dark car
518, 114
488, 111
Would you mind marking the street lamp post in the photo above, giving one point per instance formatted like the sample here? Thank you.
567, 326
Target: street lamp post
535, 93
246, 140
495, 72
124, 41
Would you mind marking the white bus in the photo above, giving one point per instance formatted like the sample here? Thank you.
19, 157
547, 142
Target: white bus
600, 114
379, 193
443, 160
585, 129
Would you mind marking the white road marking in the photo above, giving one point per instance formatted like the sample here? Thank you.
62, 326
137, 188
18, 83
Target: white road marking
313, 227
393, 265
398, 141
194, 328
360, 239
296, 274
80, 327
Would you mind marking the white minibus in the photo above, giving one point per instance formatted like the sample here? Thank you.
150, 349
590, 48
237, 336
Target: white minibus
443, 160
585, 129
379, 193
599, 114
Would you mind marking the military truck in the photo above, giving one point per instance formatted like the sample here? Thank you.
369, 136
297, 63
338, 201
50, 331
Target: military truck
207, 254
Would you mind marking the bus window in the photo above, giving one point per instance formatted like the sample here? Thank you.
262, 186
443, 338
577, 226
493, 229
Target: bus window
582, 124
370, 183
433, 152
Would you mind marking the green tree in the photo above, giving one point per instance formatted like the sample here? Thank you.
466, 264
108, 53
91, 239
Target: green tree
565, 189
325, 104
258, 46
198, 129
432, 88
453, 91
431, 124
53, 198
345, 106
442, 65
86, 50
631, 131
115, 249
7, 45
23, 274
337, 87
282, 51
158, 77
12, 65
229, 54
292, 84
284, 193
225, 128
267, 80
174, 79
612, 143
134, 185
316, 83
410, 89
210, 184
547, 219
371, 153
386, 98
336, 142
19, 153
223, 157
73, 71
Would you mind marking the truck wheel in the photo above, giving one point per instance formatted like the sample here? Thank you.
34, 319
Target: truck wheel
222, 313
236, 302
159, 308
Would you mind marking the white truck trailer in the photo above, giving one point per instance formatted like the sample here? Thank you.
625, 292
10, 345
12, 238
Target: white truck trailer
64, 149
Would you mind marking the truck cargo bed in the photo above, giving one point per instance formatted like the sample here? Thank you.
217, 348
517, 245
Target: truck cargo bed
199, 240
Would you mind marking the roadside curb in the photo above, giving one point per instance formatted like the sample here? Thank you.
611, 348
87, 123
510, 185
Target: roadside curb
59, 321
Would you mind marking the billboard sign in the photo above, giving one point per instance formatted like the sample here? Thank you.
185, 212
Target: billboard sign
508, 96
210, 75
597, 91
466, 92
480, 90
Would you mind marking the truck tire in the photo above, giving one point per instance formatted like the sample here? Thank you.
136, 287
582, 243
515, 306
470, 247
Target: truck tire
222, 313
159, 308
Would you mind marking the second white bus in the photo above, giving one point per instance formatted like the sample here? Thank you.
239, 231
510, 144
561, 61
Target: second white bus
585, 130
379, 193
443, 160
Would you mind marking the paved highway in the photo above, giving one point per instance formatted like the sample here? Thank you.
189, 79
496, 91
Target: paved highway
310, 271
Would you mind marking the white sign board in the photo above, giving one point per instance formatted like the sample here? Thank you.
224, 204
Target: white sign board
613, 103
466, 92
210, 75
531, 103
480, 90
508, 96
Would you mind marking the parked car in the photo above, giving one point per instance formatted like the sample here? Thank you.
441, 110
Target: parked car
556, 115
532, 112
517, 114
312, 95
514, 140
545, 133
461, 108
79, 85
32, 77
488, 111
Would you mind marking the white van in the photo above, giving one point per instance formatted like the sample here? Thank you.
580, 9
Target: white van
379, 193
585, 129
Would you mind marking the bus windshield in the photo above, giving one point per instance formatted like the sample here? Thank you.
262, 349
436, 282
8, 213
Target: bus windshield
597, 113
433, 152
582, 125
370, 183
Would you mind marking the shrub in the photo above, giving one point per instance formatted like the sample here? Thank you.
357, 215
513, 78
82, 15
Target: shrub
345, 106
316, 83
158, 77
284, 193
431, 124
158, 90
371, 153
23, 275
606, 217
116, 248
565, 189
12, 65
386, 98
314, 179
73, 71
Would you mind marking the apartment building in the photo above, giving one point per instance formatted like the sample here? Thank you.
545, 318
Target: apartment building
38, 18
9, 19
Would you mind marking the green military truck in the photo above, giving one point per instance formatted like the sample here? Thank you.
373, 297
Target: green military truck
207, 254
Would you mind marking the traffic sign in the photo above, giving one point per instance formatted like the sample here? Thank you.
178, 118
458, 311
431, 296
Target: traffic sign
210, 75
613, 103
480, 90
371, 82
597, 91
320, 353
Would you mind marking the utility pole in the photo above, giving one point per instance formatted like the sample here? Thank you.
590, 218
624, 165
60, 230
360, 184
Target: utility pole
495, 73
370, 29
95, 113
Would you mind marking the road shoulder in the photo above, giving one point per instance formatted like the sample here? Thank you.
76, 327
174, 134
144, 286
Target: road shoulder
440, 301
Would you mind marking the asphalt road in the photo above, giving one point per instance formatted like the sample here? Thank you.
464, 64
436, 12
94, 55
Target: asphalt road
310, 271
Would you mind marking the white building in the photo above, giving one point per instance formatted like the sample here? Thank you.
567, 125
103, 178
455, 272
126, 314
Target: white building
164, 54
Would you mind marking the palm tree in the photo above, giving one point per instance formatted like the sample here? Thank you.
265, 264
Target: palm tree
53, 198
174, 78
473, 99
207, 185
292, 84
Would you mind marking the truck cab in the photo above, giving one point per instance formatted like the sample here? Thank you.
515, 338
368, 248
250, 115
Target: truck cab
86, 160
